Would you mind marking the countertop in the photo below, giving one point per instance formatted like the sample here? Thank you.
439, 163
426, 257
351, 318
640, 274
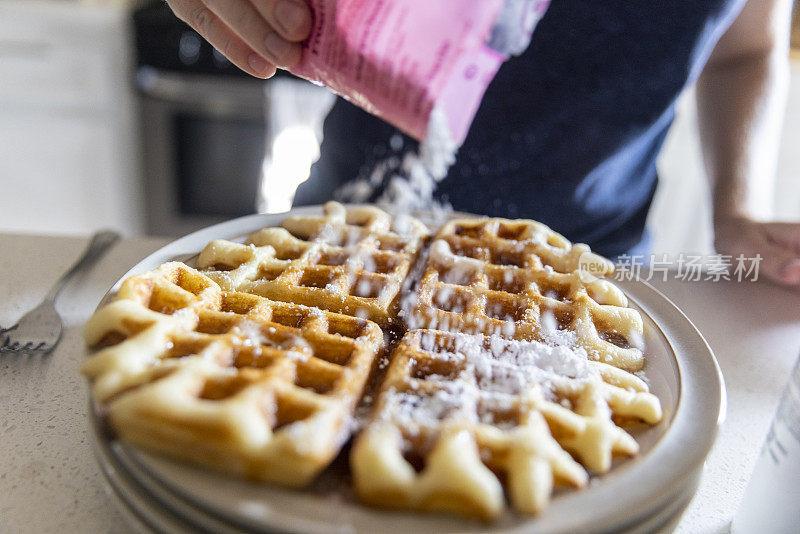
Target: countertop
49, 480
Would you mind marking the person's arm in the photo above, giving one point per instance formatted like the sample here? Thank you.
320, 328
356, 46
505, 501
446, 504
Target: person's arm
255, 35
741, 98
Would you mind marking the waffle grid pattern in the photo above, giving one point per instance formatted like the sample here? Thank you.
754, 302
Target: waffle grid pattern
453, 417
230, 380
348, 261
247, 366
521, 280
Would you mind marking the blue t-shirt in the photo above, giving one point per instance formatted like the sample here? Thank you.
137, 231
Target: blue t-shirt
568, 132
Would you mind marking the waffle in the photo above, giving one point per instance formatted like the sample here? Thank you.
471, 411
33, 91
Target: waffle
521, 280
230, 380
458, 413
513, 375
349, 261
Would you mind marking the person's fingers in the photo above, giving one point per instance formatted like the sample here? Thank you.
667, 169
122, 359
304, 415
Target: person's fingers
790, 273
784, 234
209, 25
247, 22
291, 19
778, 263
773, 242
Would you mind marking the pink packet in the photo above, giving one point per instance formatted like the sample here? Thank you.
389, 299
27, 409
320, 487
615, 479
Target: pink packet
401, 59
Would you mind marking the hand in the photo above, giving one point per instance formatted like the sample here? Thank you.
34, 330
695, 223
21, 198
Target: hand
256, 35
778, 244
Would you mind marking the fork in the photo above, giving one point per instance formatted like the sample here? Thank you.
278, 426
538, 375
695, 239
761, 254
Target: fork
39, 330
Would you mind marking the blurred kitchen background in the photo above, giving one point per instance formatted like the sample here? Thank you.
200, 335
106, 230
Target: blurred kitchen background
115, 114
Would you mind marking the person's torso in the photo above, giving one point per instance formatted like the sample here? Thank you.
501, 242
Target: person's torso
568, 133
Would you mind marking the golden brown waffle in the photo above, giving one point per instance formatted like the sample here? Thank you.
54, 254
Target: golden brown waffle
458, 413
230, 380
352, 261
518, 383
521, 280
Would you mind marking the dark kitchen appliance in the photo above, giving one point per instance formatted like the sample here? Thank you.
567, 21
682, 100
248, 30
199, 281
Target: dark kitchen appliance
204, 124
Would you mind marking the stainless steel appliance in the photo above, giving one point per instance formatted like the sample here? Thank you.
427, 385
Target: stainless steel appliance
204, 127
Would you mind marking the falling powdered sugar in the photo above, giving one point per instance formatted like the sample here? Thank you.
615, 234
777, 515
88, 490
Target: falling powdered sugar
410, 188
407, 188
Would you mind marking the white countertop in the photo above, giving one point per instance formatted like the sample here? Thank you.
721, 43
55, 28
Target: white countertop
49, 480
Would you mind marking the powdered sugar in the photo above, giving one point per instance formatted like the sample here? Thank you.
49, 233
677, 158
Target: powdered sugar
490, 377
254, 334
459, 267
411, 188
551, 333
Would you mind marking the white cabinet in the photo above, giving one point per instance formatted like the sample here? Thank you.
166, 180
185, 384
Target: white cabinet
68, 139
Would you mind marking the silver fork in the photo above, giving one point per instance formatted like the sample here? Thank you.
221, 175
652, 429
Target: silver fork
39, 330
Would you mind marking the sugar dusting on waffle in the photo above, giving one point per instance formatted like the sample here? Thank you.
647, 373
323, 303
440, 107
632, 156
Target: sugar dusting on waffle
517, 369
256, 335
409, 189
493, 372
499, 381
